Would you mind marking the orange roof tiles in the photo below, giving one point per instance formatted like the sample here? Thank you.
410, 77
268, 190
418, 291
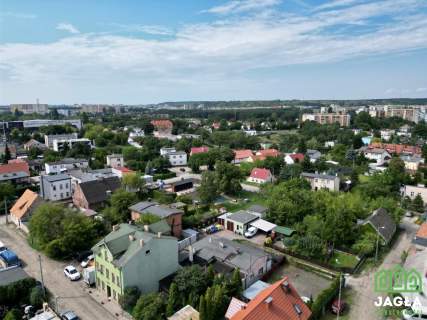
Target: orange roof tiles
162, 123
15, 167
242, 154
275, 303
422, 231
21, 206
268, 153
396, 148
260, 173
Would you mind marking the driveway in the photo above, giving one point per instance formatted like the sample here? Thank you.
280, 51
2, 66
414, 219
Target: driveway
249, 187
72, 295
363, 307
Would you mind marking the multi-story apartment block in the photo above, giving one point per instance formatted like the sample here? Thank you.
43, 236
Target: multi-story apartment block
328, 118
131, 257
30, 108
59, 145
65, 164
55, 187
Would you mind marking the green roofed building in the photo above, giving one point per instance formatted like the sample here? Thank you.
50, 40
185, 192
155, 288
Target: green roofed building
129, 256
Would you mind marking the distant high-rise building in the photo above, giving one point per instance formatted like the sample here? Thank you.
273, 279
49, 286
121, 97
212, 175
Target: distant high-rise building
328, 118
30, 108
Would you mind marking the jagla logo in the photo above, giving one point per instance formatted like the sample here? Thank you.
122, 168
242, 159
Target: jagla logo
397, 280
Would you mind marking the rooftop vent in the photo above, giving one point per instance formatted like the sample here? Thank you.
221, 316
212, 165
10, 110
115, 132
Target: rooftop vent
297, 309
286, 286
131, 237
269, 300
141, 242
116, 227
146, 228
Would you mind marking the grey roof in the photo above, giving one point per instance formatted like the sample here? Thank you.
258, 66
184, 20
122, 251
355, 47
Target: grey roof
230, 252
56, 177
318, 176
11, 275
177, 153
67, 161
81, 175
382, 223
257, 208
313, 153
154, 208
242, 217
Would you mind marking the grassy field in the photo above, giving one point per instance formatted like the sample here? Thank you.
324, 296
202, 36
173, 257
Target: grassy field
344, 260
245, 200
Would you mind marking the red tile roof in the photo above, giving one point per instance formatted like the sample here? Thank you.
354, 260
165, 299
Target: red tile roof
260, 173
124, 169
268, 153
162, 123
15, 167
297, 157
396, 148
242, 154
422, 231
196, 150
276, 302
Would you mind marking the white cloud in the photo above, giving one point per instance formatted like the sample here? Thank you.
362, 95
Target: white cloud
422, 89
149, 29
215, 53
238, 6
67, 27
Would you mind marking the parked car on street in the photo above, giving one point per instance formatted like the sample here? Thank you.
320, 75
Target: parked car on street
86, 261
69, 315
251, 232
71, 273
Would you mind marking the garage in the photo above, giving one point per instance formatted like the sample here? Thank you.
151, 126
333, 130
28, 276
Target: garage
263, 225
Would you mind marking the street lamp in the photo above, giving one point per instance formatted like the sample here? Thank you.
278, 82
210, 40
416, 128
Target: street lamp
378, 239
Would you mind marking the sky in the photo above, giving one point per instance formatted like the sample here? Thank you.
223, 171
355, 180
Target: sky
149, 51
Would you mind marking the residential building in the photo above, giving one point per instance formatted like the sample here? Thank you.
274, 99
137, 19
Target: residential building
50, 138
322, 181
313, 155
387, 134
65, 165
238, 222
225, 254
417, 261
260, 175
397, 149
242, 156
178, 158
379, 155
268, 153
55, 187
129, 257
412, 162
293, 158
185, 313
421, 235
343, 119
258, 210
121, 171
30, 108
172, 216
37, 123
278, 301
59, 145
12, 150
383, 224
17, 172
24, 207
93, 194
115, 160
164, 151
179, 184
196, 150
413, 191
34, 144
163, 127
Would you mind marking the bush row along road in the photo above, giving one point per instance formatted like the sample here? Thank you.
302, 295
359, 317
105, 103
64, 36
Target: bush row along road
72, 295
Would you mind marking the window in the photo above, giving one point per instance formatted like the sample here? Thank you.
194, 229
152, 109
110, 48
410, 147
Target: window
62, 195
54, 188
118, 281
103, 285
113, 278
60, 186
107, 273
68, 194
114, 295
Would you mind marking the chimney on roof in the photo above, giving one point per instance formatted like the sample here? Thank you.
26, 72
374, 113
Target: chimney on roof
116, 227
159, 234
286, 287
141, 242
268, 301
146, 228
131, 237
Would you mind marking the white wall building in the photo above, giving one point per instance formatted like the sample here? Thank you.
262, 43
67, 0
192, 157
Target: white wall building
50, 138
115, 160
65, 164
59, 145
413, 191
178, 158
322, 181
55, 187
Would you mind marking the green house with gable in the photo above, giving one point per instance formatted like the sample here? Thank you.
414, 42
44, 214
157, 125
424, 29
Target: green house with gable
129, 256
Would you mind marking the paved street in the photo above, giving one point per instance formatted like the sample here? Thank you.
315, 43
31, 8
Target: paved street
73, 295
363, 307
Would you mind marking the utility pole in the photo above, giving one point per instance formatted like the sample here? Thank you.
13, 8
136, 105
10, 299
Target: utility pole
41, 276
5, 209
339, 298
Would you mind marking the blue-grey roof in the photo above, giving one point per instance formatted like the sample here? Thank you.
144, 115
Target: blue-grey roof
154, 208
318, 176
56, 177
242, 217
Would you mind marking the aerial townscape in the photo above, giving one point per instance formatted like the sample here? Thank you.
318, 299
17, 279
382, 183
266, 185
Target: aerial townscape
148, 170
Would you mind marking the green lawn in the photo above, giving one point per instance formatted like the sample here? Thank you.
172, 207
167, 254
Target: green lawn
363, 178
343, 260
241, 204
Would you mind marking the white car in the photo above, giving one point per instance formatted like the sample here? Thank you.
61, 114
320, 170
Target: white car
87, 260
251, 232
71, 273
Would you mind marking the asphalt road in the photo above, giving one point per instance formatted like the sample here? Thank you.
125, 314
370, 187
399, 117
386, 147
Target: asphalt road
72, 295
362, 307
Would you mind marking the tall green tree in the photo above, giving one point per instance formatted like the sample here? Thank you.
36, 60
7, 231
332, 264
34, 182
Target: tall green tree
418, 204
